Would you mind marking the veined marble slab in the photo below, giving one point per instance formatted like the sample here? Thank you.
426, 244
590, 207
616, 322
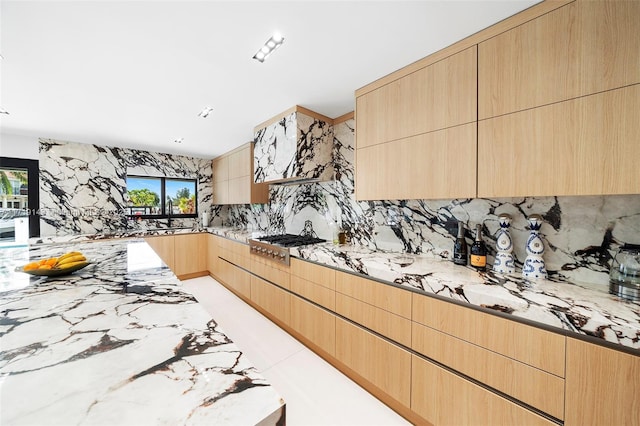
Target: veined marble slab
118, 342
574, 307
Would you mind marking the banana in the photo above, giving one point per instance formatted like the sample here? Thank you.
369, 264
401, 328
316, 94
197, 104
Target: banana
70, 259
69, 254
70, 265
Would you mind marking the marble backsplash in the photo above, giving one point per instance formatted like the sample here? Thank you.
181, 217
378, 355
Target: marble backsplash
83, 187
581, 234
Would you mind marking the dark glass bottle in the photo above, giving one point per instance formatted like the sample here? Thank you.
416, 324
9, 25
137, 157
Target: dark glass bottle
460, 247
479, 251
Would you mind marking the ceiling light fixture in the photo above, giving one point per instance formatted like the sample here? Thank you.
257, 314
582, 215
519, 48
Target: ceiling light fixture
205, 112
4, 111
272, 44
179, 140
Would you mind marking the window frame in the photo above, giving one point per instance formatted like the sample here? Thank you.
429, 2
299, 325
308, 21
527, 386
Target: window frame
33, 182
163, 199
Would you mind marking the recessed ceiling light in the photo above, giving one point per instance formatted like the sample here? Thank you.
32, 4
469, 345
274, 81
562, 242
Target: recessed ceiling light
179, 140
205, 112
272, 44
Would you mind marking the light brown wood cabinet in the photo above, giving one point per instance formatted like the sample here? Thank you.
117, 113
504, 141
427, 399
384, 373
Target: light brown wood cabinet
438, 96
439, 164
416, 136
530, 345
444, 398
184, 254
556, 96
314, 282
273, 300
315, 324
582, 48
163, 245
383, 364
190, 255
233, 178
523, 382
584, 146
213, 250
603, 386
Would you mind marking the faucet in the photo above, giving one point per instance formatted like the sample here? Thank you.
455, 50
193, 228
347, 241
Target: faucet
169, 211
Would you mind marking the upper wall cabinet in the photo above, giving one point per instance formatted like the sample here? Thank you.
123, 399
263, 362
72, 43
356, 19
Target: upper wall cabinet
582, 48
416, 135
233, 178
435, 97
558, 103
295, 145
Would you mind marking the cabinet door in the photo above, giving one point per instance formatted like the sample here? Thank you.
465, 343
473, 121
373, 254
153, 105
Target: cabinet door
164, 247
274, 301
440, 164
603, 386
221, 192
435, 97
580, 49
221, 168
443, 398
212, 254
314, 324
235, 279
239, 162
190, 254
380, 362
585, 146
240, 190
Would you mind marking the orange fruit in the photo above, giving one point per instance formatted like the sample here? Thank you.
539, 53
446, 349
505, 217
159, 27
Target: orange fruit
45, 266
42, 261
52, 261
30, 266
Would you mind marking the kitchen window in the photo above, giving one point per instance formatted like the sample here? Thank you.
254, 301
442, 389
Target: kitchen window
161, 197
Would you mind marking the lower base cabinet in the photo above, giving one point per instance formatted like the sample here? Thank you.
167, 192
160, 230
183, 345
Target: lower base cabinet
315, 324
603, 386
444, 398
379, 361
272, 299
236, 279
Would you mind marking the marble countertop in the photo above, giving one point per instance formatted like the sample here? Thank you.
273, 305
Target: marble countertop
573, 308
118, 342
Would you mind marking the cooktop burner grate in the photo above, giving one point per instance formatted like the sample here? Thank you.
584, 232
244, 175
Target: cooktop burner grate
290, 240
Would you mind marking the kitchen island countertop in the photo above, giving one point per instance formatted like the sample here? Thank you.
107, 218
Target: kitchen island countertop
118, 342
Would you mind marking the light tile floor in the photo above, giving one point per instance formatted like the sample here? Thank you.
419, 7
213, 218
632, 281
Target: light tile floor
314, 391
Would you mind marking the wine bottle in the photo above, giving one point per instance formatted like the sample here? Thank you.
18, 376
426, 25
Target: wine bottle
460, 247
479, 251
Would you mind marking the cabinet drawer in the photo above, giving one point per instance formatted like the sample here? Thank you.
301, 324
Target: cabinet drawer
380, 362
390, 325
236, 279
383, 296
236, 253
314, 292
443, 398
530, 385
315, 324
317, 274
273, 300
270, 271
531, 345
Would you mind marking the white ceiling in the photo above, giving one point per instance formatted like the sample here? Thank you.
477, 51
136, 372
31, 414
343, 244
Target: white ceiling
137, 73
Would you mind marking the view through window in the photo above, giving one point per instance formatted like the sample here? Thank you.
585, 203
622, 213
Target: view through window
161, 196
14, 205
